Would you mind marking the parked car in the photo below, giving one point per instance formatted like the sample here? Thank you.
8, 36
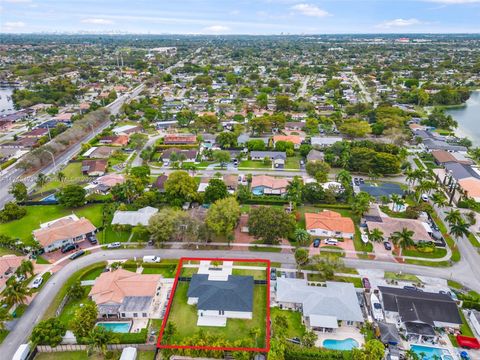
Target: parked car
424, 197
387, 245
356, 181
77, 254
37, 282
114, 245
361, 181
316, 243
69, 247
151, 259
331, 241
366, 283
295, 340
408, 287
92, 239
273, 274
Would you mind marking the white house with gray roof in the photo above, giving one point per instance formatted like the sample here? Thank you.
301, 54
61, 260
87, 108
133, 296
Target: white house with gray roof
221, 299
134, 218
325, 307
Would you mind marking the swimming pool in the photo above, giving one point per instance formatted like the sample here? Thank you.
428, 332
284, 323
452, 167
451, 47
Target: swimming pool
116, 327
431, 353
347, 344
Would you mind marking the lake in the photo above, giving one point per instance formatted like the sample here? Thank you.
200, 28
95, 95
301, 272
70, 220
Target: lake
6, 103
468, 118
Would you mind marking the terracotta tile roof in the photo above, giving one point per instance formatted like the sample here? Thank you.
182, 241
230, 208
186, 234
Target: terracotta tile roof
121, 139
114, 286
180, 139
65, 228
471, 186
329, 220
94, 165
10, 262
269, 181
291, 138
111, 179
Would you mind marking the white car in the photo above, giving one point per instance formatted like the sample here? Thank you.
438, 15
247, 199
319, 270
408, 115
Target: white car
331, 241
424, 197
114, 245
37, 282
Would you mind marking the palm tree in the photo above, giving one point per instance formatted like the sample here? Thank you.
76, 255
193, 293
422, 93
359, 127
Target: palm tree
403, 238
471, 217
41, 180
396, 201
453, 217
302, 237
459, 229
16, 292
61, 176
26, 267
439, 199
411, 355
98, 338
4, 316
376, 235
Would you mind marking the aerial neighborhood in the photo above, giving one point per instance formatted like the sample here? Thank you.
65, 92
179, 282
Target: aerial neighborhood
277, 197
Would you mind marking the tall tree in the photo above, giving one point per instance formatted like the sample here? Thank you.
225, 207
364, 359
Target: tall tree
223, 215
270, 224
403, 238
19, 191
48, 332
215, 190
71, 196
180, 187
84, 320
16, 292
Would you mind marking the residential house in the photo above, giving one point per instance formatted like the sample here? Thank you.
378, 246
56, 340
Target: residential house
134, 218
269, 185
295, 139
218, 299
315, 155
103, 184
125, 294
94, 167
419, 312
188, 155
436, 142
160, 183
278, 158
324, 141
35, 133
115, 140
63, 231
324, 308
242, 139
180, 139
474, 317
442, 157
99, 152
294, 125
329, 223
231, 181
127, 129
388, 226
8, 266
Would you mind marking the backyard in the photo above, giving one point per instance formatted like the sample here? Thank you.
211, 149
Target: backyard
36, 215
185, 316
294, 320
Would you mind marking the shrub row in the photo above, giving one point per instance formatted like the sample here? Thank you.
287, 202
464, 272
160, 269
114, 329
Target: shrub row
164, 147
303, 353
265, 200
133, 338
158, 265
8, 163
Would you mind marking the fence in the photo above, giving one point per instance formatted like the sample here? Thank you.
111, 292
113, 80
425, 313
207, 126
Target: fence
62, 348
62, 305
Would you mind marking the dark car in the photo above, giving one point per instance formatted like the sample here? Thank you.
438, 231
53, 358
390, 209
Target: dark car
316, 243
273, 274
68, 248
295, 340
361, 181
356, 181
366, 283
407, 287
92, 239
387, 245
77, 254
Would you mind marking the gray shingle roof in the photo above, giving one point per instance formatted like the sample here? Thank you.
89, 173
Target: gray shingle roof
461, 171
135, 303
273, 155
235, 294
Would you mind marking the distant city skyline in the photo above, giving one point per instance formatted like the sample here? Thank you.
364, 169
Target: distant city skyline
240, 17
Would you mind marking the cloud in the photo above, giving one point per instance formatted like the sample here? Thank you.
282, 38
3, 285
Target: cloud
216, 29
17, 1
97, 21
399, 23
310, 10
454, 2
12, 26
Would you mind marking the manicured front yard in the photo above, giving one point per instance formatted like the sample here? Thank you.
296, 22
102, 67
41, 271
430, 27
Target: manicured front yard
82, 355
437, 253
73, 175
168, 271
253, 164
401, 277
185, 317
294, 319
38, 214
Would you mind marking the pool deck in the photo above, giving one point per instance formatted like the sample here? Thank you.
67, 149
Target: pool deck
342, 333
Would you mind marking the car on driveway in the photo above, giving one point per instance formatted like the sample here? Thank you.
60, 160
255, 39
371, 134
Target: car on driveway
387, 245
316, 243
331, 241
69, 247
356, 181
273, 274
366, 283
114, 245
37, 282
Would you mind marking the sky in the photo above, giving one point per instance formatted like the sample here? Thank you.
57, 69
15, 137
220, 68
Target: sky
240, 16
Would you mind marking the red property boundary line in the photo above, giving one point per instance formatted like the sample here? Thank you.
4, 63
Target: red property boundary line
218, 348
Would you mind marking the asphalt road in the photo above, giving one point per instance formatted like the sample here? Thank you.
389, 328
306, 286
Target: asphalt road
460, 272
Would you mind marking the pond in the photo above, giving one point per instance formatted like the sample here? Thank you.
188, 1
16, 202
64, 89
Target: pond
468, 118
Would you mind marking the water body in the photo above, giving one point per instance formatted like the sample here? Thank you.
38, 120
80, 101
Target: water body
468, 118
6, 103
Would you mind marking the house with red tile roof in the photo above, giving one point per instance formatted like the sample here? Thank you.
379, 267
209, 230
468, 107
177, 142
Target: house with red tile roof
295, 139
179, 139
8, 265
269, 185
115, 140
94, 167
329, 224
125, 294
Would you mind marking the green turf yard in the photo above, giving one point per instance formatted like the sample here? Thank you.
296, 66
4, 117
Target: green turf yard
294, 319
185, 316
82, 355
38, 214
73, 175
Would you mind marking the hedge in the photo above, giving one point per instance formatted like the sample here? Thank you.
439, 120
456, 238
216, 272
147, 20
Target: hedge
164, 147
8, 163
302, 353
133, 338
158, 265
265, 201
333, 206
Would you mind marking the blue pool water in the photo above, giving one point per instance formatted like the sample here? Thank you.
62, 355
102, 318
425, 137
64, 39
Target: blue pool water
116, 327
50, 197
347, 344
431, 353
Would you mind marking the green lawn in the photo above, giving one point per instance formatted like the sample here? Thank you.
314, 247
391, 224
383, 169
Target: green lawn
38, 214
257, 274
465, 328
93, 274
73, 175
3, 335
264, 248
69, 310
437, 253
294, 320
454, 284
166, 272
356, 281
473, 240
401, 277
185, 316
74, 355
293, 163
258, 164
4, 251
109, 235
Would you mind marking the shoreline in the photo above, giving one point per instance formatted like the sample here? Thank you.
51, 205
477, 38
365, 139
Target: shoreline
461, 131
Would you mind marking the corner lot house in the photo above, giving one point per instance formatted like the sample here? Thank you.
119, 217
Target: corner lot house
329, 223
125, 294
220, 299
8, 265
66, 230
134, 218
323, 308
268, 185
418, 312
389, 225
